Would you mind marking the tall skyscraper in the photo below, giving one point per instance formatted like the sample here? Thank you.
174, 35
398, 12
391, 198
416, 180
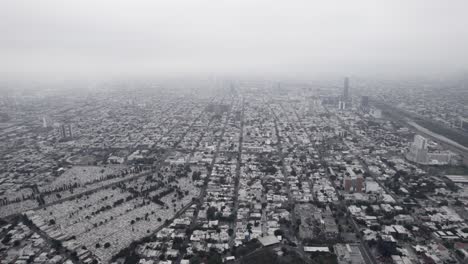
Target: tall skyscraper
365, 104
341, 105
419, 153
420, 142
314, 103
66, 131
46, 122
365, 101
418, 150
346, 89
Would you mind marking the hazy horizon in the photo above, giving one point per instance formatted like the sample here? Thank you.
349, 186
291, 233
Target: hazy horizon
109, 39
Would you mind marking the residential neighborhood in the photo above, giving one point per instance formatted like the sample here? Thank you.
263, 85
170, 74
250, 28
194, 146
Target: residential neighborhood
247, 173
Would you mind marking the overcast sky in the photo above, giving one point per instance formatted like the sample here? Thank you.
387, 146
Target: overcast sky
271, 37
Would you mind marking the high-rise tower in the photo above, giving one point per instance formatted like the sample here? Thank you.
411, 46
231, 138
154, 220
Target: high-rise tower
346, 89
66, 131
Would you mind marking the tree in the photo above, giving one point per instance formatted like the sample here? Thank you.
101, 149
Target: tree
371, 243
271, 170
214, 257
279, 232
196, 175
211, 213
132, 259
443, 203
74, 256
107, 245
6, 239
56, 244
386, 249
195, 260
369, 210
293, 172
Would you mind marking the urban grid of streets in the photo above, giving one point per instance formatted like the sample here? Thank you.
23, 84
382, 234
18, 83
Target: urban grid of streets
241, 175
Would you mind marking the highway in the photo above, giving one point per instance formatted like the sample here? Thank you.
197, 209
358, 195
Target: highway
405, 118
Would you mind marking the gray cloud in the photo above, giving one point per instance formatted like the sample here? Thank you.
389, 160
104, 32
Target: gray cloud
303, 38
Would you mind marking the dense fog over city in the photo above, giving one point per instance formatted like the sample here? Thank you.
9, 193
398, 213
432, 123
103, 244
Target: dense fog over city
233, 131
296, 39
